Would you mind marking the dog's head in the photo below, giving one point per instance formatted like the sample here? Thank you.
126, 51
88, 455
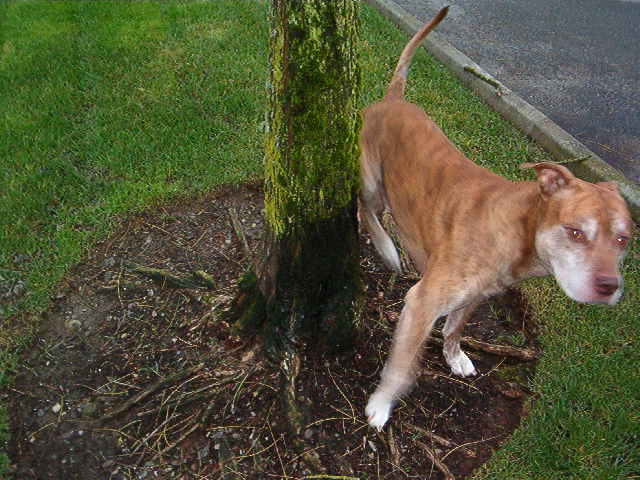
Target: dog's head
583, 234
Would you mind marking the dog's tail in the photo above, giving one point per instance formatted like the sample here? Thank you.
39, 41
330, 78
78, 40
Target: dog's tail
399, 79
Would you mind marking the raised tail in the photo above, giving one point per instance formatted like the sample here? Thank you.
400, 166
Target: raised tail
399, 79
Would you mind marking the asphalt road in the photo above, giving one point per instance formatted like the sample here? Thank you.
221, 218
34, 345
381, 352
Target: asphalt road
577, 61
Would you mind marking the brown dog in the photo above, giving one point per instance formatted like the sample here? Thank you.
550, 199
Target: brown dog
471, 233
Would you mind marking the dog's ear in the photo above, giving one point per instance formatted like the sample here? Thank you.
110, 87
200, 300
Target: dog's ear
552, 177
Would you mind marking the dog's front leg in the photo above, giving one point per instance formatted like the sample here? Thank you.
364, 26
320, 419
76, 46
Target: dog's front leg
457, 360
423, 306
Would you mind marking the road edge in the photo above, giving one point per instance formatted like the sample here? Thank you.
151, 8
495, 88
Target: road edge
558, 142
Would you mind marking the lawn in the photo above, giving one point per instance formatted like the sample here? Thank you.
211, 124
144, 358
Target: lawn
112, 107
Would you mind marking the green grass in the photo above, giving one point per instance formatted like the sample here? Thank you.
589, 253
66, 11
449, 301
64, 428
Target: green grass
111, 107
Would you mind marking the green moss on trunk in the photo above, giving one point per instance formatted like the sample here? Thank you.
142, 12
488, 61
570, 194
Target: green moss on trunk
311, 143
309, 288
308, 285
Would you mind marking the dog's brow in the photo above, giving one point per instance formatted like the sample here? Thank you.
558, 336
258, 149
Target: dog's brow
590, 227
620, 226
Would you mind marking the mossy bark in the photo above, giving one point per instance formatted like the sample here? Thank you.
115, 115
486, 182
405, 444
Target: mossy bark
311, 144
307, 287
309, 277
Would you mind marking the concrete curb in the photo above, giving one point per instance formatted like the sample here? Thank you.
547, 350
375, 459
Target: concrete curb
558, 142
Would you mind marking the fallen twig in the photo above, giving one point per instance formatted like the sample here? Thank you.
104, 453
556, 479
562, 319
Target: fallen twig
203, 394
182, 438
436, 461
526, 354
467, 452
149, 391
464, 445
332, 477
353, 412
198, 279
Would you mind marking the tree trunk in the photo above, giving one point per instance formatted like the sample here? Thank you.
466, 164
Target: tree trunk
307, 287
309, 278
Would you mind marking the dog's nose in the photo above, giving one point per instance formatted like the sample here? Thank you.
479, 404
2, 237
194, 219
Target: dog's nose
606, 285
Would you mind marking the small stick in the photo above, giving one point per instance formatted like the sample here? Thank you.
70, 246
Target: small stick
198, 279
237, 226
164, 277
144, 394
332, 477
203, 393
526, 354
494, 83
441, 440
436, 461
353, 412
182, 438
472, 443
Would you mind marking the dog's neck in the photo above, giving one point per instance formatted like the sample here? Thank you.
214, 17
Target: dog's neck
524, 209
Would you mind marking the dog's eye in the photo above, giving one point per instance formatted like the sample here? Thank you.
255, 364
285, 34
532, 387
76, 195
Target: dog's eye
622, 241
575, 234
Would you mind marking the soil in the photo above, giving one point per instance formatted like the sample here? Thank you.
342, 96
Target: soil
133, 378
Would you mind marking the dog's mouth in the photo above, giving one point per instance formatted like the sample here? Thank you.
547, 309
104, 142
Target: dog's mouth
607, 289
595, 298
594, 295
590, 288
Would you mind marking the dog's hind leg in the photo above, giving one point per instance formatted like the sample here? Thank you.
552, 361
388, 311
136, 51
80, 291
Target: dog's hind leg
372, 205
460, 364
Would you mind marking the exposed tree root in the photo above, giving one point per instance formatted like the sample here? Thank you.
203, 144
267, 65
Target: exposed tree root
393, 447
239, 231
467, 452
198, 279
526, 354
160, 384
439, 464
290, 368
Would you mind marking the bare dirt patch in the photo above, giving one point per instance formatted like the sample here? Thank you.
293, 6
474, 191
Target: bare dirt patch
133, 377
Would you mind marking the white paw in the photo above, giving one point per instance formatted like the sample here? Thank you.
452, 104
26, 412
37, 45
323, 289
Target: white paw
378, 410
461, 365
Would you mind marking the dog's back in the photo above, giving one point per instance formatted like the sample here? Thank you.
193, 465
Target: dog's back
406, 163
